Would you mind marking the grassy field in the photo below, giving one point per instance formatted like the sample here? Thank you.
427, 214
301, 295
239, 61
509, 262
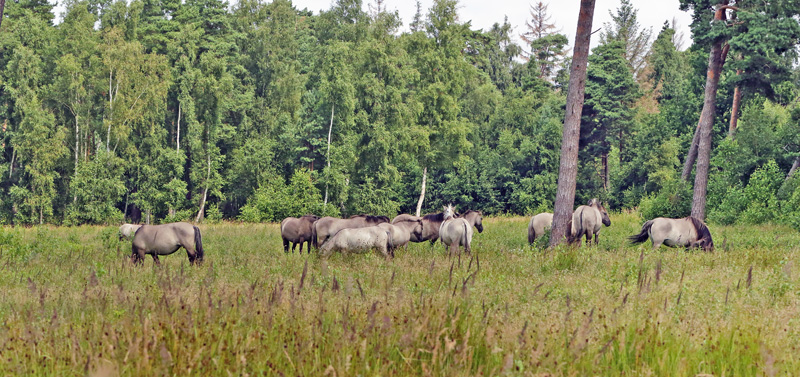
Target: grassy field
72, 304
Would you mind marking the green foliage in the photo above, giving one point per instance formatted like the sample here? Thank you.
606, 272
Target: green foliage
673, 200
274, 200
96, 186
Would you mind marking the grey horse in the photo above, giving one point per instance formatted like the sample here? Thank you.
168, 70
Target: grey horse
689, 232
165, 239
455, 231
326, 227
587, 220
538, 225
358, 240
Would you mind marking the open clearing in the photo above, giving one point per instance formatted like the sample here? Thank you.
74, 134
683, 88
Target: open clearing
73, 304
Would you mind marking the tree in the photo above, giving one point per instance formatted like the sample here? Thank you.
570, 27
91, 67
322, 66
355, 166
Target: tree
547, 46
608, 107
625, 28
565, 194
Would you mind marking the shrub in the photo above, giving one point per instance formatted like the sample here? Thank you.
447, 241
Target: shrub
673, 200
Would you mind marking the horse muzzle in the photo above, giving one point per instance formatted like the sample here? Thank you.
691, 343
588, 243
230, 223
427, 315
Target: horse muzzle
479, 227
607, 222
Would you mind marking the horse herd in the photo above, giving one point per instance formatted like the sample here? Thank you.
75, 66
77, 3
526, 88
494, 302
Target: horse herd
365, 232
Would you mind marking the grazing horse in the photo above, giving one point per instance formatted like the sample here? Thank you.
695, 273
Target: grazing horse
455, 231
326, 227
586, 221
359, 239
165, 239
538, 225
474, 218
127, 231
402, 232
297, 230
689, 232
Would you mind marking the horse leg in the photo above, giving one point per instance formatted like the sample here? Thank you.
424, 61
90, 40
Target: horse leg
294, 246
137, 255
192, 254
155, 259
595, 238
285, 245
301, 246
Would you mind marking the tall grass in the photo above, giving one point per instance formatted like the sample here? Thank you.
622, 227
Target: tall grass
72, 304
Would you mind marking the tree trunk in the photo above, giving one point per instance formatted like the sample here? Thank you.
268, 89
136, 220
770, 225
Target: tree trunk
795, 165
604, 160
707, 123
568, 169
737, 100
111, 113
691, 156
2, 7
328, 154
178, 137
77, 140
422, 191
200, 213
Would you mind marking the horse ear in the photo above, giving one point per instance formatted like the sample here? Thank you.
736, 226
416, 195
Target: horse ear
591, 201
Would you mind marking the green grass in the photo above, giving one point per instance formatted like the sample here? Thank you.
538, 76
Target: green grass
72, 304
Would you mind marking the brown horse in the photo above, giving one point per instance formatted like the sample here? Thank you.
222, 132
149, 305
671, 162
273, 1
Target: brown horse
166, 239
326, 227
297, 230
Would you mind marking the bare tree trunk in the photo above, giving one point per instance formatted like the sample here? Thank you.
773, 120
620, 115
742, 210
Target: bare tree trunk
422, 191
178, 138
795, 165
200, 213
737, 100
604, 160
707, 122
568, 169
691, 156
328, 154
2, 7
111, 113
147, 217
77, 140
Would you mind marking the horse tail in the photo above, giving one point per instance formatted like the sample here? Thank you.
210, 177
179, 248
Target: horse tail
643, 235
464, 236
389, 240
314, 235
578, 233
198, 244
531, 233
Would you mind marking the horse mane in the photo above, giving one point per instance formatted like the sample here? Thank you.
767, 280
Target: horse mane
703, 234
310, 216
371, 218
434, 217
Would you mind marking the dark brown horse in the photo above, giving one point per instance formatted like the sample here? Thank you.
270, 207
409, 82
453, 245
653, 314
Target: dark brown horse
326, 227
297, 230
166, 239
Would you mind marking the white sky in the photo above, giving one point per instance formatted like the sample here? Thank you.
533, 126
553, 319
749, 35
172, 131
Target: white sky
482, 13
564, 13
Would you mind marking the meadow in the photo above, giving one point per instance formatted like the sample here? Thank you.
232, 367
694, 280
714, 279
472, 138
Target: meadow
72, 304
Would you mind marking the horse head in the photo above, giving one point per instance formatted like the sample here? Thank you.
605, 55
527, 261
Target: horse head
476, 218
449, 211
416, 231
603, 213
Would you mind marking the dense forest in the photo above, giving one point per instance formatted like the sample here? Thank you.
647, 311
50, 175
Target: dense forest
164, 110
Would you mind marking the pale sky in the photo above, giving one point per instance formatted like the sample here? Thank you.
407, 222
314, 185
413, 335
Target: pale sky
564, 13
482, 13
